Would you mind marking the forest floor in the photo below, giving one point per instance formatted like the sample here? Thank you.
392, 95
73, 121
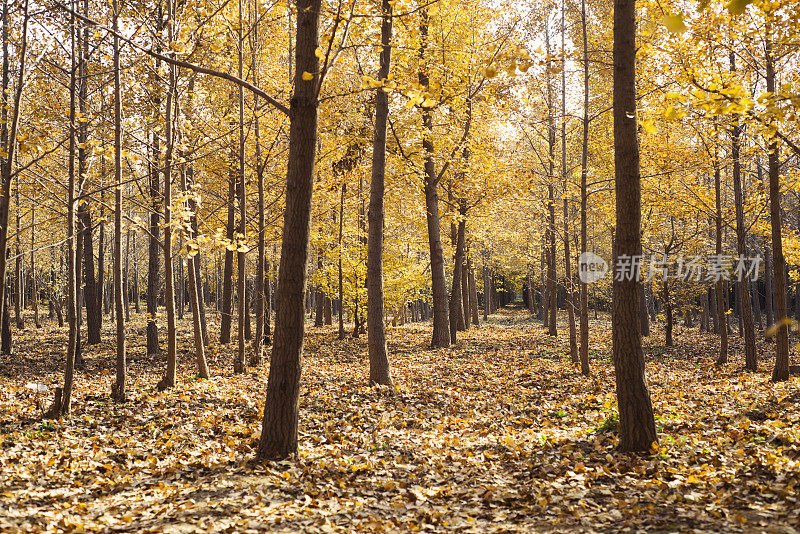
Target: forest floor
497, 434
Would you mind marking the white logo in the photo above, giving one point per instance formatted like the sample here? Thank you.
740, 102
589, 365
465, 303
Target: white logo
591, 267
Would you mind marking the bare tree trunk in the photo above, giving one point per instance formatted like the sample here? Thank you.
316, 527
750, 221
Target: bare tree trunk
180, 282
125, 285
93, 311
262, 304
79, 362
267, 300
19, 284
768, 286
465, 290
6, 342
136, 293
279, 429
239, 360
485, 287
63, 406
34, 288
781, 369
473, 293
5, 179
201, 292
637, 429
441, 320
169, 379
552, 274
756, 303
118, 390
328, 309
743, 285
101, 251
9, 144
192, 259
227, 276
544, 314
379, 367
342, 333
667, 313
584, 293
153, 247
319, 302
721, 304
569, 294
458, 262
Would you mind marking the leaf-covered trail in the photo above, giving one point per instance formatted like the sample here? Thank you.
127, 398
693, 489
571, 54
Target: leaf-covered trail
498, 433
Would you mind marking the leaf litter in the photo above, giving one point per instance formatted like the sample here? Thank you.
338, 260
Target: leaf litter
499, 434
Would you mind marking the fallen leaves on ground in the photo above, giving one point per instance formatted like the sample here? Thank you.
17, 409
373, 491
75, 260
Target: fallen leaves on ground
497, 434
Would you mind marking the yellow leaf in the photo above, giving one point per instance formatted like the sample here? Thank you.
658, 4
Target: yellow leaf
307, 76
737, 7
674, 23
772, 330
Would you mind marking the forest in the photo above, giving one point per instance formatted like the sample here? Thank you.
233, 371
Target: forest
400, 265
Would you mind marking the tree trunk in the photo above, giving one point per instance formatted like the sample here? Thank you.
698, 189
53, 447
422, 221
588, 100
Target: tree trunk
485, 287
239, 360
227, 276
742, 285
101, 252
456, 307
19, 284
342, 333
79, 362
704, 319
644, 317
722, 306
756, 303
202, 291
34, 288
5, 182
94, 314
195, 283
379, 367
768, 286
781, 369
569, 295
261, 286
267, 301
544, 314
169, 379
473, 293
584, 290
6, 341
667, 312
136, 293
637, 429
153, 247
72, 301
279, 429
118, 390
328, 309
465, 291
552, 274
441, 320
